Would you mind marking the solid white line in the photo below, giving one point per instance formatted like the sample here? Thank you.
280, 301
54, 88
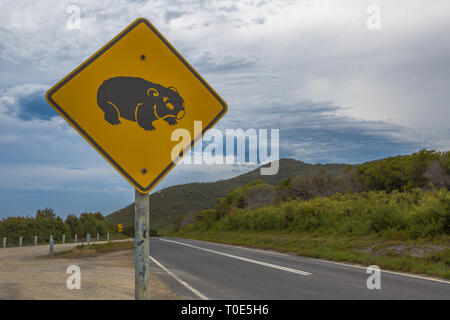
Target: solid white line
385, 271
195, 291
303, 273
262, 251
246, 248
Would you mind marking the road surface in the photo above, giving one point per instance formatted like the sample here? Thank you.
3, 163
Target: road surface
204, 270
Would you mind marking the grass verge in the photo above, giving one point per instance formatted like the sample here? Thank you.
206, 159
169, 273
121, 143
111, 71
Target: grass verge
425, 257
93, 250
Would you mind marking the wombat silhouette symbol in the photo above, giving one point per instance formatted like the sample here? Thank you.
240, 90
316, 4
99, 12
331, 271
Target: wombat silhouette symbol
139, 100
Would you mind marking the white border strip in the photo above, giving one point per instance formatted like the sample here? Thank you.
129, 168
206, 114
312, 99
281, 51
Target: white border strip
303, 273
195, 291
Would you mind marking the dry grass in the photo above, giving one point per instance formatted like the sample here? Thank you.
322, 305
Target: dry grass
94, 250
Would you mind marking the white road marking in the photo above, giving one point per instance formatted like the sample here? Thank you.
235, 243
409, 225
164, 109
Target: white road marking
195, 291
249, 249
385, 271
303, 273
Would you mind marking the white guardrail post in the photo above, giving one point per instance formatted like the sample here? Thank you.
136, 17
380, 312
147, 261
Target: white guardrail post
51, 247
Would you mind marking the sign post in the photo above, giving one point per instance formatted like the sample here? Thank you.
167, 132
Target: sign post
142, 106
141, 246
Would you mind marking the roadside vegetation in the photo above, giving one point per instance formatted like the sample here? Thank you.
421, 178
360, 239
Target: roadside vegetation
95, 249
393, 212
47, 223
174, 202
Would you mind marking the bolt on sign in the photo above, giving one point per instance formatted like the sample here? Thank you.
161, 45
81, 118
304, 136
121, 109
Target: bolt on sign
128, 98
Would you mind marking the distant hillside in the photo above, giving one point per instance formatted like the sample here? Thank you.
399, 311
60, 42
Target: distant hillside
170, 203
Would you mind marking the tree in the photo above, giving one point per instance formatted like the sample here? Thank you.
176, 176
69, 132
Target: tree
74, 225
436, 175
402, 173
45, 214
259, 195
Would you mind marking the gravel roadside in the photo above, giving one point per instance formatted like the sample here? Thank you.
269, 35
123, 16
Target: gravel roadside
26, 273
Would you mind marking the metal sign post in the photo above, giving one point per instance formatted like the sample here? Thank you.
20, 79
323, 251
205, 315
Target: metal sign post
142, 246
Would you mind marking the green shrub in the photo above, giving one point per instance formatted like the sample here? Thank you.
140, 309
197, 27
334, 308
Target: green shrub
385, 218
399, 173
396, 215
432, 217
46, 223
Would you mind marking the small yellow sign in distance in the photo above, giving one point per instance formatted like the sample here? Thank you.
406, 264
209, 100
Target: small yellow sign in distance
119, 227
128, 98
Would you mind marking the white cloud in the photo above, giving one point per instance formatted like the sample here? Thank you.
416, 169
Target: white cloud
337, 91
305, 50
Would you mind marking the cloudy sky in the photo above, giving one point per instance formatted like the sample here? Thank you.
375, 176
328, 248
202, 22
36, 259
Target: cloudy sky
338, 88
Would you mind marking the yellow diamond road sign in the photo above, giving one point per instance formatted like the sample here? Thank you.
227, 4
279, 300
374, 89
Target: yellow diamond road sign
128, 98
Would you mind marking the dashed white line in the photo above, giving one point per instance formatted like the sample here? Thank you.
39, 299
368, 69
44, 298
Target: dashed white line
195, 291
303, 273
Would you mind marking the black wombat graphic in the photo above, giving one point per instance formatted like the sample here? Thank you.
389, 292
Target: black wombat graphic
139, 100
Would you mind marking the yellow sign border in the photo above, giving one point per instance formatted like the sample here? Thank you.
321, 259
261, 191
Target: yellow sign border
93, 143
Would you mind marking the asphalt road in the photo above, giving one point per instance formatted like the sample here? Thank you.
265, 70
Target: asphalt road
204, 270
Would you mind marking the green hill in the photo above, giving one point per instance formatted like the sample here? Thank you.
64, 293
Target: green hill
171, 203
392, 212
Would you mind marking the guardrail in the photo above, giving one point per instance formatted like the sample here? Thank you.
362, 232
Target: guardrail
50, 239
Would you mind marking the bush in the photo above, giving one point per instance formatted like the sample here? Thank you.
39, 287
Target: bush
432, 217
46, 223
259, 195
396, 201
414, 214
385, 218
405, 172
320, 184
